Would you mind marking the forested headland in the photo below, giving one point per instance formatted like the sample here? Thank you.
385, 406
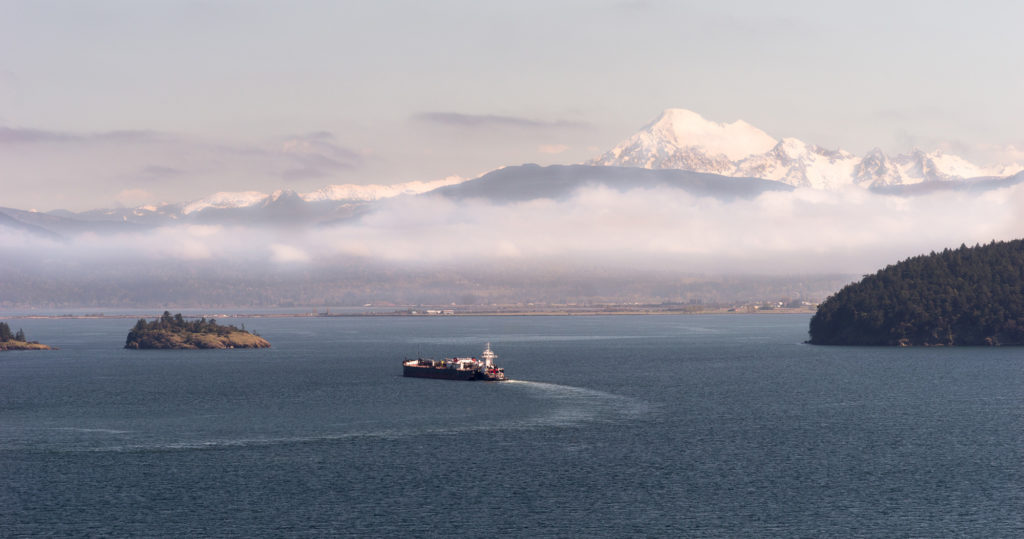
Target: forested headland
968, 296
174, 332
17, 340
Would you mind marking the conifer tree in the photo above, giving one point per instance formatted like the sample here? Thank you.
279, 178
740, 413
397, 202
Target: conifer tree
967, 296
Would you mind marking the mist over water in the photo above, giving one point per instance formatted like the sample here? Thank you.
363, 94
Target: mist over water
595, 236
804, 230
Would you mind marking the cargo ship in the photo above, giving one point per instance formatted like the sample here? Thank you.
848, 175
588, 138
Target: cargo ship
456, 368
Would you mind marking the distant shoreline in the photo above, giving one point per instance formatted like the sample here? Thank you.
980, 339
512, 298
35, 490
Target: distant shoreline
414, 313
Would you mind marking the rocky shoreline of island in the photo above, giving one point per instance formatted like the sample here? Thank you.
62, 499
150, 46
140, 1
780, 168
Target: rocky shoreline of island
11, 341
10, 346
174, 332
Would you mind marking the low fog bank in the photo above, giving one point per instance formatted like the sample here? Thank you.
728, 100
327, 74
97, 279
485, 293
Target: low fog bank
599, 245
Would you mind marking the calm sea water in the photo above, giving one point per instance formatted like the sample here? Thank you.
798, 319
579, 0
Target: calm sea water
613, 426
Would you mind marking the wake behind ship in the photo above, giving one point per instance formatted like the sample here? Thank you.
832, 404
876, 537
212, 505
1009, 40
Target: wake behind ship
456, 368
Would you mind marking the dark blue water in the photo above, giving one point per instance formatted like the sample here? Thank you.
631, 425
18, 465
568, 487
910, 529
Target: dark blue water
614, 426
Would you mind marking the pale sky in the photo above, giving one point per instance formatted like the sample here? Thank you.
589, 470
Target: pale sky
106, 103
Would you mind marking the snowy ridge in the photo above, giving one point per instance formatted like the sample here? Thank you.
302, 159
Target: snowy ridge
240, 199
369, 193
797, 163
682, 139
346, 192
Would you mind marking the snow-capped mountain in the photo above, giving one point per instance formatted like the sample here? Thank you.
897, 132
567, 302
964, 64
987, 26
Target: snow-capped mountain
325, 205
680, 148
797, 163
876, 169
682, 139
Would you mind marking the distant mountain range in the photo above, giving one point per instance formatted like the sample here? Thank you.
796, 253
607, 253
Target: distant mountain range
325, 205
680, 149
518, 234
335, 204
682, 139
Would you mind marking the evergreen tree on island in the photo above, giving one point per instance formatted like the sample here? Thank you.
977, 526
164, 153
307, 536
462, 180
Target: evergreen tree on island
17, 340
174, 332
967, 297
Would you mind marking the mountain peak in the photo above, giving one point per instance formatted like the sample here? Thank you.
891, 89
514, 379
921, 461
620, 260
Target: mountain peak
682, 120
683, 139
684, 128
680, 138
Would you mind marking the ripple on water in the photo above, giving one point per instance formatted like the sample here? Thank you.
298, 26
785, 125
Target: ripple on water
550, 406
575, 405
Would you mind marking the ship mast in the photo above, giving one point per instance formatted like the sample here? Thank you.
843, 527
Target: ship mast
488, 356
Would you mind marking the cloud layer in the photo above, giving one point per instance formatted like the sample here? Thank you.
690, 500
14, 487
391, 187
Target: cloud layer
805, 231
776, 233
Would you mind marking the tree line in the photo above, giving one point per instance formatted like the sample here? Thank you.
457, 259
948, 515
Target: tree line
177, 324
965, 296
6, 335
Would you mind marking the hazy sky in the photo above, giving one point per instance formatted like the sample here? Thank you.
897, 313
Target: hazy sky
125, 102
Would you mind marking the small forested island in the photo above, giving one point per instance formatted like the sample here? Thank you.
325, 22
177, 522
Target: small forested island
971, 296
17, 340
175, 333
